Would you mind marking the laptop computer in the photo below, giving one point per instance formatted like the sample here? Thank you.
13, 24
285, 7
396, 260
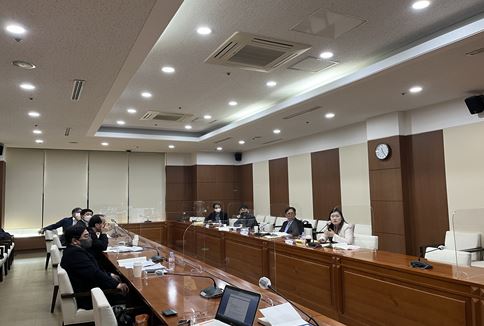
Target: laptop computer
237, 307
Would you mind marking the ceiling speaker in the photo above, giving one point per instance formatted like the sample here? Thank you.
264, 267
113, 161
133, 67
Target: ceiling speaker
238, 156
475, 104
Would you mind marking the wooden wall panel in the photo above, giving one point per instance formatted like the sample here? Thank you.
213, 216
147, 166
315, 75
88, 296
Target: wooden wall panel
3, 170
245, 182
279, 186
428, 211
179, 191
326, 182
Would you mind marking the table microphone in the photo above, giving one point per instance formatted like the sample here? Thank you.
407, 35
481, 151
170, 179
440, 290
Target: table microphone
422, 265
157, 258
265, 283
208, 293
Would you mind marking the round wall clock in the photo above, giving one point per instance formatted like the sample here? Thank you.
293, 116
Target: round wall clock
382, 151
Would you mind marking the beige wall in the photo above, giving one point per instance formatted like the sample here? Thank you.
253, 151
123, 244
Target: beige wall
260, 176
464, 169
355, 183
300, 185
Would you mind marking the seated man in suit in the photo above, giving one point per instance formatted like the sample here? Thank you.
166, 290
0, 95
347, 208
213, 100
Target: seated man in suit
245, 218
99, 239
292, 225
217, 216
66, 222
83, 269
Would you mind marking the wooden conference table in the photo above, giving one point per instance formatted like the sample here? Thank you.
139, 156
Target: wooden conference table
361, 287
182, 293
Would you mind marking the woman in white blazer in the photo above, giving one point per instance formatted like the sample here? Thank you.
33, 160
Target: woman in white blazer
338, 230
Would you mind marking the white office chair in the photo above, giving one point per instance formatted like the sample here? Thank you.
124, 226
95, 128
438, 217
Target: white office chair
363, 229
463, 241
56, 241
312, 222
102, 310
448, 256
260, 218
321, 225
49, 238
366, 241
3, 262
55, 258
232, 221
278, 223
70, 313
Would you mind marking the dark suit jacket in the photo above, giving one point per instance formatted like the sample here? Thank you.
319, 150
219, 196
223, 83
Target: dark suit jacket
65, 223
296, 228
246, 221
85, 273
99, 244
223, 217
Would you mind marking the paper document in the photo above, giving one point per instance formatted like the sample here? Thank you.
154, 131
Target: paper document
212, 322
274, 235
283, 315
128, 263
154, 267
345, 246
124, 249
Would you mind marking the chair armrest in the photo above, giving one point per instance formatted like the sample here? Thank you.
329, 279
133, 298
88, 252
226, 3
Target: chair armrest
478, 249
87, 294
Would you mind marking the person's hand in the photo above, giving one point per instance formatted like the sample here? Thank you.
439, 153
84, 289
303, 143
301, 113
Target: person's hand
330, 233
123, 288
116, 277
41, 231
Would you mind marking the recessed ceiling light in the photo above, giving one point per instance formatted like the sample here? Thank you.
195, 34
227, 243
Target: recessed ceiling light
39, 141
329, 115
204, 30
419, 5
171, 146
271, 83
146, 94
207, 117
233, 103
415, 89
34, 114
219, 148
121, 122
131, 110
276, 131
326, 55
105, 144
37, 131
241, 142
27, 86
23, 64
168, 69
188, 127
15, 29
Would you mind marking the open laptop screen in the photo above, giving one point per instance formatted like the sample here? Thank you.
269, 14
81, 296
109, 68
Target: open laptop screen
238, 307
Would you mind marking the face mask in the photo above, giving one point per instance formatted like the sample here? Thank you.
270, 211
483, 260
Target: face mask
77, 215
217, 210
86, 243
87, 218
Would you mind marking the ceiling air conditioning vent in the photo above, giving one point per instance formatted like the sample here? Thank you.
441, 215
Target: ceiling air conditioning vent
253, 52
77, 89
164, 116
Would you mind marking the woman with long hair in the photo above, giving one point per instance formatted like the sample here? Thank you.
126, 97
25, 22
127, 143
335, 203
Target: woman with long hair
338, 230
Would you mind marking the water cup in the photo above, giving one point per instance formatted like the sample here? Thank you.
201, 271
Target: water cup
137, 269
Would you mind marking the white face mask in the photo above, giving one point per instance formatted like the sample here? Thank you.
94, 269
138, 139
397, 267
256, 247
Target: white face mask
77, 215
87, 218
217, 210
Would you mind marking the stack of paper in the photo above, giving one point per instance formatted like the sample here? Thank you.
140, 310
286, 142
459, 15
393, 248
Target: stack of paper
124, 249
128, 263
283, 315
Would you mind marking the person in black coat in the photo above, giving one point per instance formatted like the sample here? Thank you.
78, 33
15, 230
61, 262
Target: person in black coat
99, 239
66, 222
83, 269
245, 218
292, 225
217, 216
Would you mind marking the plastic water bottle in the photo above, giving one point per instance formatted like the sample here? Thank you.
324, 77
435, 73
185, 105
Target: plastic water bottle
171, 260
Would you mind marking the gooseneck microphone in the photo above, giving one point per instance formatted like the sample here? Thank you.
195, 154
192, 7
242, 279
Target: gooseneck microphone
422, 265
265, 283
208, 293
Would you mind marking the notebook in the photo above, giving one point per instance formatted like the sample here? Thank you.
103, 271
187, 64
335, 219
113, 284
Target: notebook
237, 307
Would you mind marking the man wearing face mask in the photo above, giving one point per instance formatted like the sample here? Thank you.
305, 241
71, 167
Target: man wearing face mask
84, 271
217, 216
99, 239
65, 223
86, 215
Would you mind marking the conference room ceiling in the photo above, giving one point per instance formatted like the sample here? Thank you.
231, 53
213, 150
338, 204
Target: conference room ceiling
119, 48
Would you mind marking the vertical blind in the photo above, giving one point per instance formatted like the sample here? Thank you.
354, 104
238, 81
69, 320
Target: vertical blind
43, 186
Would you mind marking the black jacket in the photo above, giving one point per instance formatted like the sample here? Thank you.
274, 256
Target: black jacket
99, 244
85, 273
246, 221
296, 228
223, 217
65, 223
